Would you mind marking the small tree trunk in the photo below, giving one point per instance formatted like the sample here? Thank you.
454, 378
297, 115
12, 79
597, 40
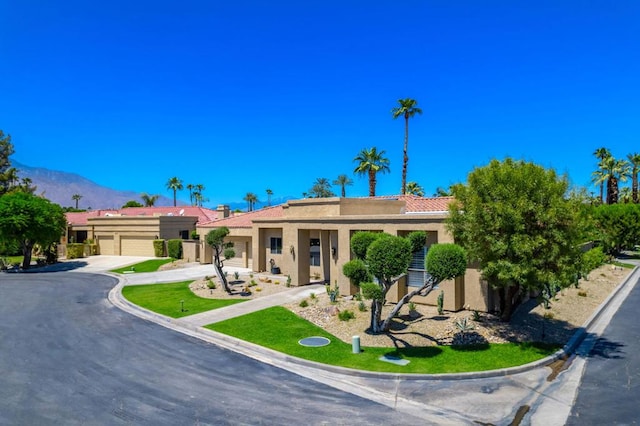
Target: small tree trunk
512, 297
376, 313
27, 248
423, 291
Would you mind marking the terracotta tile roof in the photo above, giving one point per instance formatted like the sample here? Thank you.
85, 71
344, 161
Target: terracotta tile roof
203, 214
417, 204
245, 220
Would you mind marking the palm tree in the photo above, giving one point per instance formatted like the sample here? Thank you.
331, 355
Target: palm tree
371, 162
441, 192
149, 200
634, 161
198, 198
190, 188
597, 176
199, 188
415, 189
343, 180
614, 171
76, 198
407, 109
175, 185
269, 194
321, 189
251, 199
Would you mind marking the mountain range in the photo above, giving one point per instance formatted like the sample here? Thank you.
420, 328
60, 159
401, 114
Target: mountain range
59, 187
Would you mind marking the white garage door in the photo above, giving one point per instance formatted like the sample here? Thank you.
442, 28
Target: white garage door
136, 246
106, 245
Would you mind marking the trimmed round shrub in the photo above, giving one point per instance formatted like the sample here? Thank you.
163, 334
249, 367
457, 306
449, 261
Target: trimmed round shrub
356, 271
360, 242
445, 261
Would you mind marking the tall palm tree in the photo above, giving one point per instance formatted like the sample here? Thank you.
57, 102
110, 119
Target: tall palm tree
615, 171
407, 109
597, 176
76, 198
149, 200
251, 200
321, 189
343, 181
269, 194
634, 161
199, 188
371, 162
415, 189
175, 185
190, 187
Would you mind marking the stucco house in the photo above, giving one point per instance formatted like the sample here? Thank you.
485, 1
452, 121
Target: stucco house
307, 239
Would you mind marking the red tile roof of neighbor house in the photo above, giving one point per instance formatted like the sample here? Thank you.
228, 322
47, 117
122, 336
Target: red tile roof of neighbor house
245, 220
414, 204
204, 215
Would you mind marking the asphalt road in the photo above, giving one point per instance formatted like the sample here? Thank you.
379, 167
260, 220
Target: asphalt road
68, 357
610, 389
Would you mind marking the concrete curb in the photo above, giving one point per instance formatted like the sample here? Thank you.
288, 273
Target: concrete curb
279, 359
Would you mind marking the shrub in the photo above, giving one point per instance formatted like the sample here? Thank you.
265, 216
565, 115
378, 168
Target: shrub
356, 271
253, 283
360, 242
346, 315
258, 289
362, 307
304, 303
75, 250
464, 325
371, 291
211, 284
591, 259
582, 293
174, 248
288, 283
441, 303
236, 275
312, 296
158, 248
412, 307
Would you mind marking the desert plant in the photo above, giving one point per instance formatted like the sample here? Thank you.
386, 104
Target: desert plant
312, 296
582, 293
288, 283
75, 251
476, 316
236, 275
304, 303
211, 284
276, 282
346, 315
412, 307
253, 283
258, 288
334, 293
464, 325
441, 303
362, 307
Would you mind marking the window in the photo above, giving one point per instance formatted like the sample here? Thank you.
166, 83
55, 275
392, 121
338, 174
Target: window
276, 245
315, 252
416, 274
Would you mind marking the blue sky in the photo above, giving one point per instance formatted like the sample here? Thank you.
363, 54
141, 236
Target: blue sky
247, 95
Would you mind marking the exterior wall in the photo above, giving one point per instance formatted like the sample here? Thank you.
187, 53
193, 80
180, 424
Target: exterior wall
191, 250
134, 235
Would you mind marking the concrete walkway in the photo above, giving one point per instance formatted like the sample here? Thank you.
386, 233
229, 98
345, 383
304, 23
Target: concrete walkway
293, 295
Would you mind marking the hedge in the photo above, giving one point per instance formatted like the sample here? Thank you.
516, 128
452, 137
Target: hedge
174, 248
158, 248
75, 250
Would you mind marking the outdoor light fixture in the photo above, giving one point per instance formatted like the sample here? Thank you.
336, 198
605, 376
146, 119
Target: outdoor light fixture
333, 251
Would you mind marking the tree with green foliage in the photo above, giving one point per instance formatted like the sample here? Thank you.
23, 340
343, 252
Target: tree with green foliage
149, 200
29, 220
634, 162
251, 200
8, 174
269, 195
131, 203
343, 181
414, 188
370, 163
515, 221
617, 226
190, 187
407, 109
215, 239
321, 189
76, 198
598, 177
175, 185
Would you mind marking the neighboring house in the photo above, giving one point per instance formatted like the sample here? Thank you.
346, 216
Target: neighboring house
131, 231
309, 241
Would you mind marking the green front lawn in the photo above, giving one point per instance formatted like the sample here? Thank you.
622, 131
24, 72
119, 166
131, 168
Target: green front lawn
150, 265
166, 299
280, 329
